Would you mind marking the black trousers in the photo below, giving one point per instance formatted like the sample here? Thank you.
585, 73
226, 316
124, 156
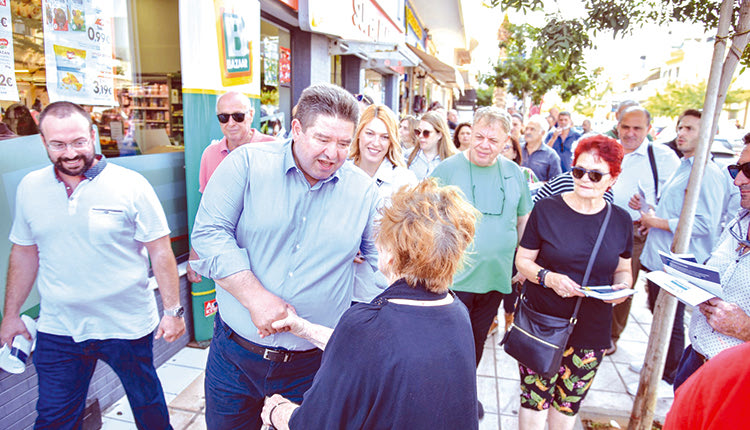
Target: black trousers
482, 310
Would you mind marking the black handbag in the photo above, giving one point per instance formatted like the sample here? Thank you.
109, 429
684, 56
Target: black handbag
538, 340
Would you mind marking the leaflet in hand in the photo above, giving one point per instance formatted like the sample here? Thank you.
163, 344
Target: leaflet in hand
690, 282
606, 292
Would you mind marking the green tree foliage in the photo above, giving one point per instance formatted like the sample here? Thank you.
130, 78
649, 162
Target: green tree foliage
485, 95
621, 17
533, 69
677, 97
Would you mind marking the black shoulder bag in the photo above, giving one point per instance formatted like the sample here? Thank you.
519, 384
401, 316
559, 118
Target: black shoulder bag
538, 340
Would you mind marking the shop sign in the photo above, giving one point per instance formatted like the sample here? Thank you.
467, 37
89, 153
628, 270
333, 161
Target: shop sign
219, 42
235, 46
291, 3
78, 51
358, 20
285, 66
8, 88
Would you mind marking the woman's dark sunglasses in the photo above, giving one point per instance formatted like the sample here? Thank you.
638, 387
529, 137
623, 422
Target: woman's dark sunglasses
735, 169
594, 175
425, 133
237, 117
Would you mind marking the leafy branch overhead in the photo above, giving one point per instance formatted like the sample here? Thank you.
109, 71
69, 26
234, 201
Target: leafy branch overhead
621, 17
533, 69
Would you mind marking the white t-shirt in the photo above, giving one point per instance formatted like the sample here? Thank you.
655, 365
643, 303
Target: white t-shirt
93, 266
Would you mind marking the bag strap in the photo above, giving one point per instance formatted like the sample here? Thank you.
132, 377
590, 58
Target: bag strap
598, 243
654, 172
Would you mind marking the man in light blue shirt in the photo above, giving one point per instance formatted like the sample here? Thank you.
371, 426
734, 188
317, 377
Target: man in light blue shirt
278, 229
662, 223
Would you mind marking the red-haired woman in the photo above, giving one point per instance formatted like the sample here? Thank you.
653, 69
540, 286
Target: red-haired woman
405, 360
553, 255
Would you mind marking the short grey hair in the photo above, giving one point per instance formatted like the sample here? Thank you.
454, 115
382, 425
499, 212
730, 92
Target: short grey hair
243, 98
624, 105
540, 121
326, 99
636, 109
492, 114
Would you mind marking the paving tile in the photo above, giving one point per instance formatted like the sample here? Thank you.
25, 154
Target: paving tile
607, 378
113, 424
180, 419
191, 398
199, 423
606, 404
508, 422
487, 393
507, 366
120, 410
175, 378
489, 422
628, 350
634, 331
487, 364
190, 357
509, 391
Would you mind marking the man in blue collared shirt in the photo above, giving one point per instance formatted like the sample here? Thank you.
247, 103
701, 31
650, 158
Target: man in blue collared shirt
278, 229
662, 223
562, 138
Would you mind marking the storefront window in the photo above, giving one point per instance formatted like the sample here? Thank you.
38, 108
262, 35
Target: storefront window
84, 52
276, 79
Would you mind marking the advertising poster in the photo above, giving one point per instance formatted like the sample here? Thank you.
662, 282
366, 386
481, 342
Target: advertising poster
8, 89
271, 61
285, 66
78, 51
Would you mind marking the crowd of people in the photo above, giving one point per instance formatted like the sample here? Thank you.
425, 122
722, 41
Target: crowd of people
360, 264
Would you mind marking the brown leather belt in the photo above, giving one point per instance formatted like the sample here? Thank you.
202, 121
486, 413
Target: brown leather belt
277, 355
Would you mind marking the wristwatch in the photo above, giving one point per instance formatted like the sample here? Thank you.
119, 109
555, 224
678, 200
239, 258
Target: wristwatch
178, 312
540, 275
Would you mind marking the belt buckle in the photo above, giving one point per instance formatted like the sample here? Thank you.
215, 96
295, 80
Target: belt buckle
270, 354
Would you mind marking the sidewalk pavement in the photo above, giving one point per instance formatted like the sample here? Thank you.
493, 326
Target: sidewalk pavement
497, 383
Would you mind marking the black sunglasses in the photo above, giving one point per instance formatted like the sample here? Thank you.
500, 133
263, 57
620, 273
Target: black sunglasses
594, 175
735, 169
425, 133
237, 117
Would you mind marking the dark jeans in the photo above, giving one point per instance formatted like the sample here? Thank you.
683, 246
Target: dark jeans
65, 368
689, 363
482, 310
677, 340
237, 381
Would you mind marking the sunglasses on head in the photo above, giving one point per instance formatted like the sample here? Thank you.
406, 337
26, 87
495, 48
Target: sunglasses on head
594, 175
425, 133
237, 117
735, 169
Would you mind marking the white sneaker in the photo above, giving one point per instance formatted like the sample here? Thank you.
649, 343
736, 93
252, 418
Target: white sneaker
636, 366
663, 391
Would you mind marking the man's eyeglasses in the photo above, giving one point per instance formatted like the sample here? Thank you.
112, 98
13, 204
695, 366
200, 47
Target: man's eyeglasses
594, 175
425, 133
61, 146
735, 169
237, 117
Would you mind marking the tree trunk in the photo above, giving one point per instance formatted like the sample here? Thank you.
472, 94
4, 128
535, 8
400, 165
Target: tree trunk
642, 415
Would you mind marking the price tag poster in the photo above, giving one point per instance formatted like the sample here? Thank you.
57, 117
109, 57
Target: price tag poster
78, 48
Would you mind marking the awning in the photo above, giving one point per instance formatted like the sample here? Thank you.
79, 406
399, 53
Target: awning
441, 72
376, 55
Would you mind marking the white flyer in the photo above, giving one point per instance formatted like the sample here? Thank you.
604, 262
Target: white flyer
8, 88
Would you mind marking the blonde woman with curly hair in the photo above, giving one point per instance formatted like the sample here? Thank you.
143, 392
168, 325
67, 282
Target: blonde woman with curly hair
406, 359
434, 145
